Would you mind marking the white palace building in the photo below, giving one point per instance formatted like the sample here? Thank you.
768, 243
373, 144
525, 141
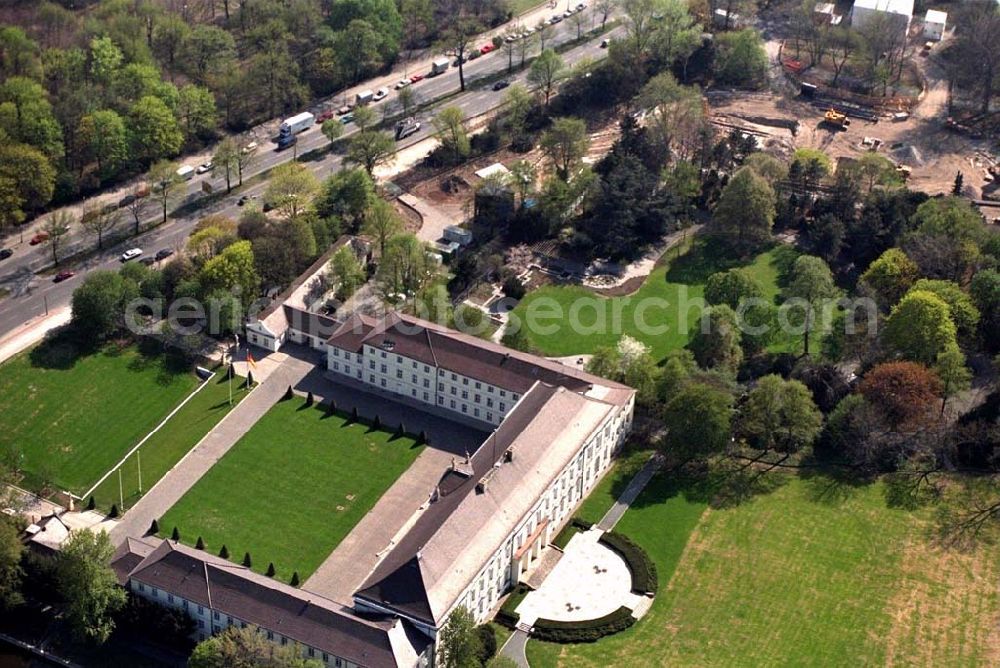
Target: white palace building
553, 431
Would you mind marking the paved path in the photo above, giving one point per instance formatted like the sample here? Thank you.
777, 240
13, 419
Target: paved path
514, 648
210, 449
346, 568
637, 484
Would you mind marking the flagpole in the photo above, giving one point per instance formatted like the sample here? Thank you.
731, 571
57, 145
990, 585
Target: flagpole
138, 456
121, 492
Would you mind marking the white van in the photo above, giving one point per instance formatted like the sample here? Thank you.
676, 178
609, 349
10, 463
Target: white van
186, 172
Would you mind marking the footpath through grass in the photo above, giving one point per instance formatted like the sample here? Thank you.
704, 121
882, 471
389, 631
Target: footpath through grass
661, 314
291, 489
812, 573
73, 417
169, 445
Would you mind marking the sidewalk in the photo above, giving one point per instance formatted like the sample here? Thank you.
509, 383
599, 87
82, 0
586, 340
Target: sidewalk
636, 485
32, 332
165, 493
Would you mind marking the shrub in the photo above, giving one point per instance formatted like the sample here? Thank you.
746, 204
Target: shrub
507, 618
92, 503
639, 564
310, 400
354, 414
175, 535
246, 560
224, 552
514, 288
589, 630
154, 527
288, 394
114, 510
270, 570
331, 407
423, 438
200, 544
401, 430
377, 423
488, 642
295, 579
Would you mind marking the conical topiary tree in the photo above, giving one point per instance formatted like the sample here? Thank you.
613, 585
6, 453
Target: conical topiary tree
423, 437
200, 544
295, 579
288, 394
377, 422
270, 570
154, 527
114, 510
354, 414
249, 383
331, 407
401, 430
175, 535
91, 504
310, 400
246, 560
224, 552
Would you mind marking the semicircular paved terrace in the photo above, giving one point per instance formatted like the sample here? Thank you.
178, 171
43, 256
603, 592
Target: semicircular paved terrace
590, 581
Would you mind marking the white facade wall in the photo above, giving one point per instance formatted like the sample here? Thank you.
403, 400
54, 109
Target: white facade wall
210, 622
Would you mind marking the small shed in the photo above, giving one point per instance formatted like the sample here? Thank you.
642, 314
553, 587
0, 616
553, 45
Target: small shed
934, 24
458, 234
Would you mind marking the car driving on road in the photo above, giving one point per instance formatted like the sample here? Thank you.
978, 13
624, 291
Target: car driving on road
63, 276
131, 254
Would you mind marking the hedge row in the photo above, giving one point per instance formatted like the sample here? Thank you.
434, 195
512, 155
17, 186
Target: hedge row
507, 618
589, 630
639, 564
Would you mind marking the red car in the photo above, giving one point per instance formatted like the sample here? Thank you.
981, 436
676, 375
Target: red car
39, 238
416, 77
325, 116
486, 49
63, 275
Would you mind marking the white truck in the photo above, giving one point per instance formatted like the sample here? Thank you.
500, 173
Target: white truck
185, 172
439, 66
293, 126
363, 98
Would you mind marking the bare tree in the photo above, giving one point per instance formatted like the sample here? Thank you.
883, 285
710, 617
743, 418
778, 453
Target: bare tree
604, 9
56, 227
99, 221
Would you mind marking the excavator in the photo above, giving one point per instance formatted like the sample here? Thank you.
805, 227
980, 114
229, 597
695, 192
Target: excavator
836, 119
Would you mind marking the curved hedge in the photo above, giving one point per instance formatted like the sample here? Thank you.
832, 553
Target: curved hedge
589, 630
641, 567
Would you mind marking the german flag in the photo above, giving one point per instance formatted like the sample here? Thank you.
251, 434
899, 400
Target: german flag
253, 365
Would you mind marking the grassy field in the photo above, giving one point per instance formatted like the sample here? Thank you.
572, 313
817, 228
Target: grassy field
291, 489
809, 574
604, 495
668, 300
74, 417
167, 446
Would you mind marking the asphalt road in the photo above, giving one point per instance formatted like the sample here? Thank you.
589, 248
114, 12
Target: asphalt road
31, 294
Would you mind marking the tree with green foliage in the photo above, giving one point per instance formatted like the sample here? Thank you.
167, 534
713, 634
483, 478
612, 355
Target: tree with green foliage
675, 116
103, 137
745, 212
381, 223
26, 116
565, 144
716, 344
812, 164
27, 182
740, 59
459, 645
985, 292
698, 421
545, 72
11, 573
732, 287
963, 311
955, 376
154, 130
811, 284
779, 415
404, 268
347, 272
450, 130
874, 169
226, 160
889, 277
920, 327
88, 585
347, 194
291, 188
332, 129
98, 220
247, 647
196, 111
232, 271
370, 149
98, 305
770, 168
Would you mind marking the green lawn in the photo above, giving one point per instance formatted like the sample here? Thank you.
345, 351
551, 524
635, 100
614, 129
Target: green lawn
291, 489
797, 577
604, 495
572, 320
74, 417
167, 446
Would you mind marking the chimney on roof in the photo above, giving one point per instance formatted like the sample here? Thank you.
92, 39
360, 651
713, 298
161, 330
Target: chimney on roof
467, 456
454, 464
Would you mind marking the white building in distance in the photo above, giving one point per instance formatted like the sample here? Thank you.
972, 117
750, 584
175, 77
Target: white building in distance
898, 13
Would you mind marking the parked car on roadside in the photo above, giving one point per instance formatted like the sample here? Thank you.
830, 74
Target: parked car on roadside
163, 254
39, 238
204, 167
63, 276
131, 254
5, 253
500, 85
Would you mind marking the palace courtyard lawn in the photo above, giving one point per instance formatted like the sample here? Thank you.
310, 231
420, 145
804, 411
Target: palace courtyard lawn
69, 417
811, 573
291, 489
